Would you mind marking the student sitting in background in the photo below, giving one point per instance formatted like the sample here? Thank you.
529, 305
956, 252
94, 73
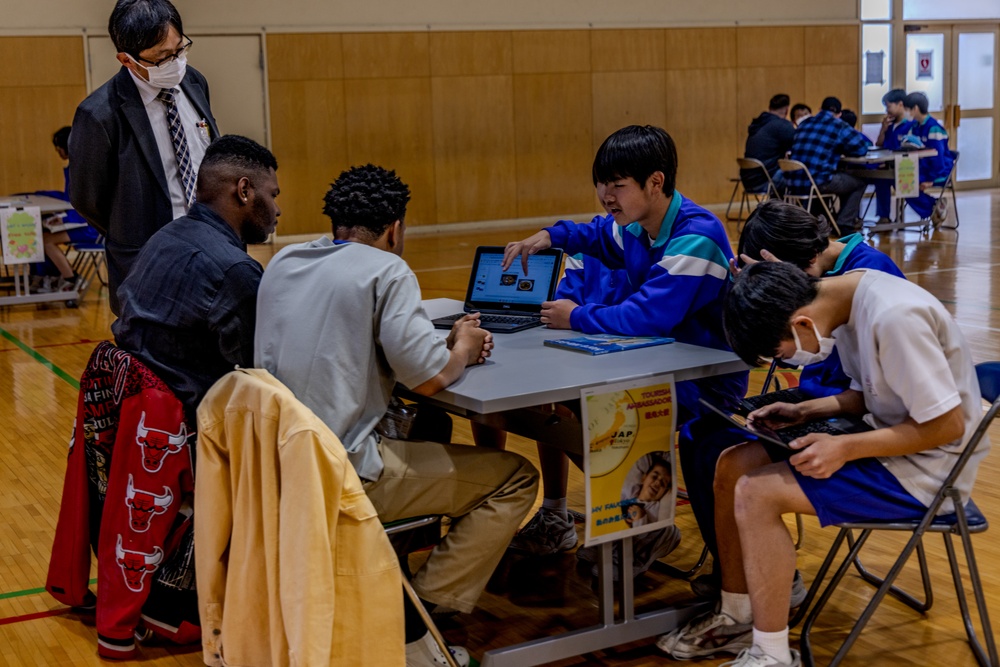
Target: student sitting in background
675, 256
769, 138
895, 126
925, 131
68, 280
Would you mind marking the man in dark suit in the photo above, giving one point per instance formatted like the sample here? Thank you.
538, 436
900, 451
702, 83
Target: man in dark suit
138, 140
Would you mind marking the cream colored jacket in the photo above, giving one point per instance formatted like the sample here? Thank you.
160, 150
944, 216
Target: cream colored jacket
293, 566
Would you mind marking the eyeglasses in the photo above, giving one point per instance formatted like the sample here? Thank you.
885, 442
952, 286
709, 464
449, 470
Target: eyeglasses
185, 47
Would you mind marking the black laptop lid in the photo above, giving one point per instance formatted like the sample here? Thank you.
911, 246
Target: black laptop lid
493, 290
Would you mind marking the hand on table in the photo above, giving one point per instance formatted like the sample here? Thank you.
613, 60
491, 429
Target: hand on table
556, 314
468, 338
528, 246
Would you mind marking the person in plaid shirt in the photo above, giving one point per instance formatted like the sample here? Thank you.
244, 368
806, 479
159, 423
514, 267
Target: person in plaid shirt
819, 143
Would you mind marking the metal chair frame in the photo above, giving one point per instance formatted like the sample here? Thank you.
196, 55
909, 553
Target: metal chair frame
752, 164
949, 185
402, 526
955, 524
825, 199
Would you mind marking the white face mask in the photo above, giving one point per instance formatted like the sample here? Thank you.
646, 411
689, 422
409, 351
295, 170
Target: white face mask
806, 358
169, 74
907, 116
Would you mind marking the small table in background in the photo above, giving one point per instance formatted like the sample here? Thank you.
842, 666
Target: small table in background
887, 171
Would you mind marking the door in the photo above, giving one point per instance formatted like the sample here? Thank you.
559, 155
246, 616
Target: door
233, 66
955, 65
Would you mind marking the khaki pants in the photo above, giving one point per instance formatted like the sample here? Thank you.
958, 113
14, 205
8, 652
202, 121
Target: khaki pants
487, 494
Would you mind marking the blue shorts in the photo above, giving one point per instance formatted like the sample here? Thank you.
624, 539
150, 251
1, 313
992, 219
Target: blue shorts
863, 490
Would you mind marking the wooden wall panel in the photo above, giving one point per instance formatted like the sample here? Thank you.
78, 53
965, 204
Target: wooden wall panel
551, 51
553, 139
841, 81
388, 123
474, 164
831, 45
700, 48
386, 54
471, 53
29, 162
42, 61
309, 141
626, 50
756, 85
701, 118
769, 47
627, 98
300, 57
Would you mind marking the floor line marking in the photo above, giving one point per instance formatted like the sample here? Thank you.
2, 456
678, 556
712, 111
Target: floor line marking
35, 616
70, 380
32, 591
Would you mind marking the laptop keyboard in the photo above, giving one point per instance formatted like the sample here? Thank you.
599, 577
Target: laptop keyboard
494, 319
785, 396
790, 433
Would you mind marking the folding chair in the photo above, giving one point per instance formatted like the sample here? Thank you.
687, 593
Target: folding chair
827, 200
88, 261
737, 182
396, 528
948, 185
760, 193
964, 523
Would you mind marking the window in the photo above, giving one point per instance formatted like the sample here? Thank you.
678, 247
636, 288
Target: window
920, 10
876, 69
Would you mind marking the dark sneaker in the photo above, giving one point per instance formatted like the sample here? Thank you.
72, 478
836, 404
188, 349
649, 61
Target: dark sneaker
799, 591
706, 635
546, 533
68, 284
940, 213
754, 657
646, 549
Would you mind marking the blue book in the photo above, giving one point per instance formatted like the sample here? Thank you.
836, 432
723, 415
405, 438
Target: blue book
605, 343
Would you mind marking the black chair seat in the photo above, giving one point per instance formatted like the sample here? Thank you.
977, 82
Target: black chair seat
944, 523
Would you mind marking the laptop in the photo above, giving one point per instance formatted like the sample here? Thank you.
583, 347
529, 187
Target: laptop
751, 403
783, 436
510, 300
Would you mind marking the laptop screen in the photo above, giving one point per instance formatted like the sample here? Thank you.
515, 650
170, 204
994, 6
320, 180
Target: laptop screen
492, 288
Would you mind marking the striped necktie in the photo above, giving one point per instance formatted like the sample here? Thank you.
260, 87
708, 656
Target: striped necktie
178, 138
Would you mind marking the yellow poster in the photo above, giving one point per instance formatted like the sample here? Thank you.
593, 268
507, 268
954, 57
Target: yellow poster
21, 235
629, 463
907, 176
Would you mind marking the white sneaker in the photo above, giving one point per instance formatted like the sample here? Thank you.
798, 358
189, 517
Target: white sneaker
940, 213
754, 657
426, 653
706, 635
546, 533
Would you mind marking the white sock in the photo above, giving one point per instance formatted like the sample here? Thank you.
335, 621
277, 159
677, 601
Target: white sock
737, 605
556, 506
774, 644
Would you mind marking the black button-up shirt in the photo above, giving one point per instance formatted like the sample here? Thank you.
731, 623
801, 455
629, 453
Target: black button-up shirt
189, 304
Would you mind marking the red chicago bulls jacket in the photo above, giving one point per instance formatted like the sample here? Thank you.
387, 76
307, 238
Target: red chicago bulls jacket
127, 495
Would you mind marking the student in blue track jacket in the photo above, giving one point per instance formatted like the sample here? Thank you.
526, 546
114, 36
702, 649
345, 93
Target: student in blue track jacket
675, 256
895, 126
928, 133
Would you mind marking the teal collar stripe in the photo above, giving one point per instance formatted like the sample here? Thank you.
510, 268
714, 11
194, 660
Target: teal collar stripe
701, 247
850, 243
666, 227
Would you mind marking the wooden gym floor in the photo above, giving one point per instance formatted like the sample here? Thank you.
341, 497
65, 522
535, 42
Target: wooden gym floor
43, 350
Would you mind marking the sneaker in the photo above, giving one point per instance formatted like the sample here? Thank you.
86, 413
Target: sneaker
708, 586
884, 221
46, 285
647, 548
546, 533
754, 657
940, 212
426, 653
68, 284
706, 635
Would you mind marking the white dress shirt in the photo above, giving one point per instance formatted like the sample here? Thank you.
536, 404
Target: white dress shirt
197, 138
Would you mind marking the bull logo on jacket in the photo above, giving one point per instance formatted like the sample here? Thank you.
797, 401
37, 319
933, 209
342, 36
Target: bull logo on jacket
136, 565
157, 445
143, 505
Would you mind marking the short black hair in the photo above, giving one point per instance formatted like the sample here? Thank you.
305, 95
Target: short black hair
849, 117
916, 100
235, 153
369, 197
760, 305
137, 25
61, 138
894, 96
790, 232
831, 104
800, 107
779, 101
636, 152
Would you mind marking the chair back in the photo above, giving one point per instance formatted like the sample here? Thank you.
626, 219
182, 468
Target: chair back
788, 165
754, 165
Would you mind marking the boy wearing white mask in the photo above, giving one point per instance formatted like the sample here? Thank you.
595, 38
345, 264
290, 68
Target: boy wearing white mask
138, 141
914, 381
